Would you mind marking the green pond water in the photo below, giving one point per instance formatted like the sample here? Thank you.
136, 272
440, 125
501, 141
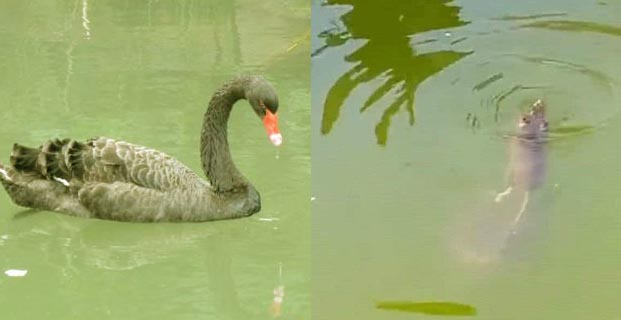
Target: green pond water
413, 103
143, 71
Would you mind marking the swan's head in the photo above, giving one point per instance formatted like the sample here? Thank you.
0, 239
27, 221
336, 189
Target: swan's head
264, 102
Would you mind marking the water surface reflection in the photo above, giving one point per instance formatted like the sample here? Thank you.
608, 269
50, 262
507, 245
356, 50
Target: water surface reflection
386, 56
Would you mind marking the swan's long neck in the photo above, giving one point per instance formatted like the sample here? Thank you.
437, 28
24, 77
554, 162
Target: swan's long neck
215, 154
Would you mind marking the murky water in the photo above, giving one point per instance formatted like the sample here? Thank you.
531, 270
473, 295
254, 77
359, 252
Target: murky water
143, 71
412, 105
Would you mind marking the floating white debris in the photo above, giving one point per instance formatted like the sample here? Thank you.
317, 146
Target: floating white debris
4, 236
269, 219
16, 272
313, 198
448, 34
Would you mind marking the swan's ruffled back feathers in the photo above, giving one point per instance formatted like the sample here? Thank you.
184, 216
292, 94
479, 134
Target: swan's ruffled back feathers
108, 160
105, 160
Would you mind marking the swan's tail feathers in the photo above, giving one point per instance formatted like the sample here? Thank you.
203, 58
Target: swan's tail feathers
29, 189
55, 159
14, 183
7, 177
5, 174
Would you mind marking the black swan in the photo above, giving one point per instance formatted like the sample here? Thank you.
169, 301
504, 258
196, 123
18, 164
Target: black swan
116, 180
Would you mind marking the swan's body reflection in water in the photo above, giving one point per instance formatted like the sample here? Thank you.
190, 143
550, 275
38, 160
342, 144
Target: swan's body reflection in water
204, 266
486, 238
211, 270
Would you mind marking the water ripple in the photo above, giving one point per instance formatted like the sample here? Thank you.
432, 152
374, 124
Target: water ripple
578, 95
581, 26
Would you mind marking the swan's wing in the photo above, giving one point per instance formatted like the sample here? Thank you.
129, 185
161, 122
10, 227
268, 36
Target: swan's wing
107, 160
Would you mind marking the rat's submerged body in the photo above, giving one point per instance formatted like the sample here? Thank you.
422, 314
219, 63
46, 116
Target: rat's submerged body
527, 157
488, 233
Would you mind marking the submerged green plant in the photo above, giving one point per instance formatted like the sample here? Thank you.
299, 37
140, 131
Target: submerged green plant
431, 308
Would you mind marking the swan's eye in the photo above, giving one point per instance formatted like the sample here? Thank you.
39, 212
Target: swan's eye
525, 120
268, 106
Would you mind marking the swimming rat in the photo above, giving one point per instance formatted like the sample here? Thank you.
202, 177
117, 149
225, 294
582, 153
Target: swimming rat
486, 235
527, 158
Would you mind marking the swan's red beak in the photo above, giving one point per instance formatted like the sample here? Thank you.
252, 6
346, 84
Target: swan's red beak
270, 121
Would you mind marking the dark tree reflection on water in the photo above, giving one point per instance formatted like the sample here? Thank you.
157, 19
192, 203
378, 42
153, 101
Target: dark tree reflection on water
387, 26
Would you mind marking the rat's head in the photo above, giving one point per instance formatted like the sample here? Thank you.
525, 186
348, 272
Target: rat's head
264, 101
534, 123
